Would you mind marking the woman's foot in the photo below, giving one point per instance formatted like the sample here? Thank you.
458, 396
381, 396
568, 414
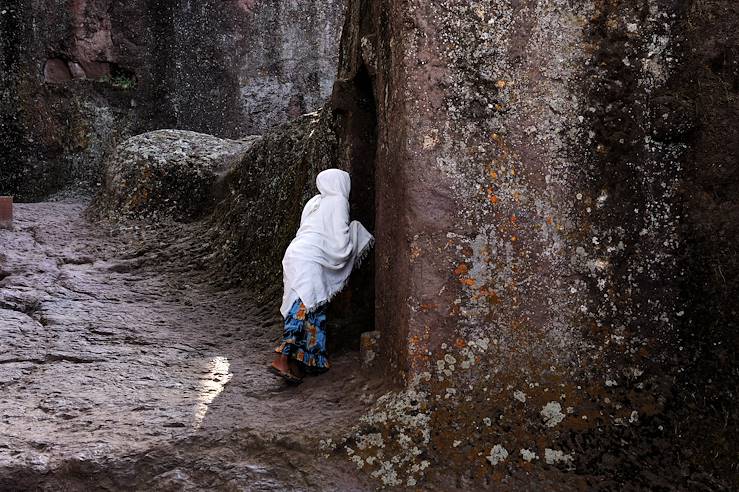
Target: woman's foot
281, 363
286, 368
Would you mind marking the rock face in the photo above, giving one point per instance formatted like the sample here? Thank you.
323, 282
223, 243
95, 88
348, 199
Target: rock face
545, 187
80, 76
174, 174
545, 235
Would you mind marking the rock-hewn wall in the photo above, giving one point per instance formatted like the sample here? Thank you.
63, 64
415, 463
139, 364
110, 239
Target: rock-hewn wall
79, 76
554, 214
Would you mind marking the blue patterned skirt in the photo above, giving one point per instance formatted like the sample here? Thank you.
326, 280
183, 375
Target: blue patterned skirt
304, 337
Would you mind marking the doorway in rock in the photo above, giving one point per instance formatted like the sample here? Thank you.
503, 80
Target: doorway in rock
353, 102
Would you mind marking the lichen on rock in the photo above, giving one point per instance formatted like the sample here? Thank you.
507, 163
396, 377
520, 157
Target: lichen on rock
167, 174
531, 182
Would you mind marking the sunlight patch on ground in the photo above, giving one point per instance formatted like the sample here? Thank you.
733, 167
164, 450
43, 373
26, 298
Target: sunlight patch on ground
211, 386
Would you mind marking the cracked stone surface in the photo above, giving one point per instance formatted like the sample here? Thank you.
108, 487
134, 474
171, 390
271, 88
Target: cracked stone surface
120, 369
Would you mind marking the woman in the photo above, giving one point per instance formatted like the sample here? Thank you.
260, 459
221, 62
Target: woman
316, 266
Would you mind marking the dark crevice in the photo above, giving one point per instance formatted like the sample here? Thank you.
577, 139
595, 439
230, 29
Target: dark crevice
355, 107
51, 358
28, 308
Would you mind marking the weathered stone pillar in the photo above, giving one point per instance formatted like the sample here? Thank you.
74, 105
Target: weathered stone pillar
530, 191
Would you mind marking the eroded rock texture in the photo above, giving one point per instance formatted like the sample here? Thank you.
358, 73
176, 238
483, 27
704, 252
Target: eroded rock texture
80, 76
554, 222
163, 174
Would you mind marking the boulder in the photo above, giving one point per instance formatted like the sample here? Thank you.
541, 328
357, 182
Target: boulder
173, 174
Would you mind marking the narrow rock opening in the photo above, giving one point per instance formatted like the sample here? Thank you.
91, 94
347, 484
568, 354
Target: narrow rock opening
354, 310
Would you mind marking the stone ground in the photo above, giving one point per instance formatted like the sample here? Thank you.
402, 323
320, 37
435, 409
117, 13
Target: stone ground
122, 367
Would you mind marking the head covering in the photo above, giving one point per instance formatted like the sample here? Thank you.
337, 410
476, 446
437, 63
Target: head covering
327, 246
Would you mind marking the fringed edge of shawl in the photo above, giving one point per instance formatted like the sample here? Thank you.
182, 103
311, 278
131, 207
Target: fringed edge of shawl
361, 256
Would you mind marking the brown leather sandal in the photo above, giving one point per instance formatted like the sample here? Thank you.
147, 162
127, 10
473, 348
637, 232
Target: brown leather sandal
289, 378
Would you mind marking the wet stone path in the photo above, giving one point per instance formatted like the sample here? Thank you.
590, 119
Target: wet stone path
117, 375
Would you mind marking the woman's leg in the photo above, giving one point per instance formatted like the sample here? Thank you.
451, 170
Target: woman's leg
313, 353
303, 345
293, 339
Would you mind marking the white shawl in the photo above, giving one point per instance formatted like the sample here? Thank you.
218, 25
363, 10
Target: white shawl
317, 263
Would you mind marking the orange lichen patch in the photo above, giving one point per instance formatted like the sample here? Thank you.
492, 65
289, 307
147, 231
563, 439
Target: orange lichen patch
428, 306
491, 295
517, 325
486, 253
462, 269
498, 139
415, 252
550, 221
468, 281
491, 195
513, 238
418, 349
500, 84
513, 218
459, 343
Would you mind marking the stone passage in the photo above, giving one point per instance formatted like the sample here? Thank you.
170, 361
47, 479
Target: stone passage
122, 367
